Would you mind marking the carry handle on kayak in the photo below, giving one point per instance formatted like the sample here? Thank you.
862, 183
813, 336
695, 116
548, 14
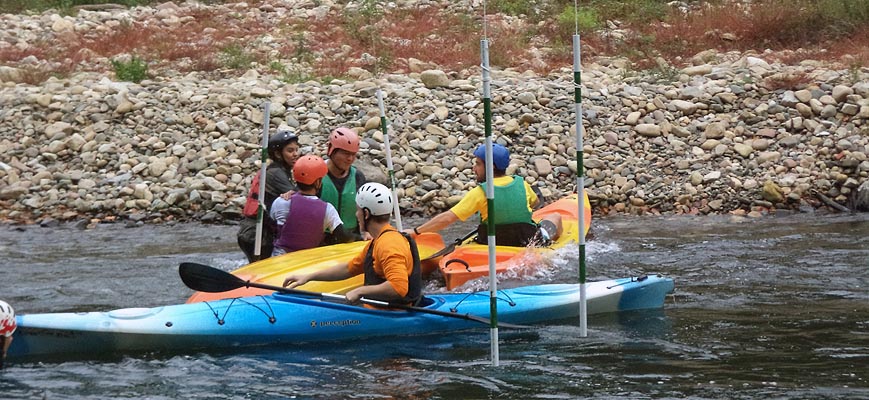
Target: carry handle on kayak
212, 280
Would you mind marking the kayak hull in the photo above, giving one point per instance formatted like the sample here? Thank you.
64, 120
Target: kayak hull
470, 261
281, 319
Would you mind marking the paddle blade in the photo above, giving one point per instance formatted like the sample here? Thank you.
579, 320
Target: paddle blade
208, 279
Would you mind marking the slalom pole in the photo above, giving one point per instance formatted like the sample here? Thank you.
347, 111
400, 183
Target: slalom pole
261, 210
580, 185
384, 127
490, 199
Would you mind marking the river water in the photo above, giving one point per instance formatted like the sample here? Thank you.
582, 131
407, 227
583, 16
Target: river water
775, 307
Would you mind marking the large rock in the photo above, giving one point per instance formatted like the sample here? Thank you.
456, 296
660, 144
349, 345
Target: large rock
10, 74
434, 78
13, 192
772, 192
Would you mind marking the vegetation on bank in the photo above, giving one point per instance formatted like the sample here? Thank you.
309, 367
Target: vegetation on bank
653, 35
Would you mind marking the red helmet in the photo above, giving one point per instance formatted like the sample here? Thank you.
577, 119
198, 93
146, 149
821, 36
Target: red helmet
344, 139
308, 169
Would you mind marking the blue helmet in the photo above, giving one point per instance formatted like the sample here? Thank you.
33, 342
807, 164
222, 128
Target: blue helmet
500, 155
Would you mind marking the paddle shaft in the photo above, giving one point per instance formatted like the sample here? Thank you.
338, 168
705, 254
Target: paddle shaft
449, 249
379, 303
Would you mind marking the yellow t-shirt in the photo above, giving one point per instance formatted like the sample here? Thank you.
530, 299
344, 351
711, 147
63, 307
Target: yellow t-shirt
475, 200
392, 260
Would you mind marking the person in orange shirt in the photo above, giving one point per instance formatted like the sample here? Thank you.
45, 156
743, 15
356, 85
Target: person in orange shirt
390, 262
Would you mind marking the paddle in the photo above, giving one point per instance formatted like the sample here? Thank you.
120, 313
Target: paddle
449, 249
209, 279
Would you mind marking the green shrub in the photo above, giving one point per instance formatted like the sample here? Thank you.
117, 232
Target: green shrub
134, 70
631, 10
586, 18
512, 7
235, 57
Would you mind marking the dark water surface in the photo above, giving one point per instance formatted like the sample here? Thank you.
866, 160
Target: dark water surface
772, 308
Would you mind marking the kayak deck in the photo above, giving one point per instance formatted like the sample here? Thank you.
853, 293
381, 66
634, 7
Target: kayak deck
280, 319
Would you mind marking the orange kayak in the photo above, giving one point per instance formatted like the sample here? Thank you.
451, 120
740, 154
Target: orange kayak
273, 270
471, 260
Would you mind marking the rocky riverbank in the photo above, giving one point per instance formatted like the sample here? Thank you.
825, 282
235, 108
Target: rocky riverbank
717, 136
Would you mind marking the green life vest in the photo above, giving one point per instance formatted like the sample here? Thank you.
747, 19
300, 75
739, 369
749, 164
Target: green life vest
513, 223
511, 203
344, 202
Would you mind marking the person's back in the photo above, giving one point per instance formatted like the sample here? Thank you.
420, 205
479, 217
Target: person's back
514, 200
513, 223
304, 220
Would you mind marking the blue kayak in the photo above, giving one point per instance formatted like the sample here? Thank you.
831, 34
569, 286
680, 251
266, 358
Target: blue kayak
291, 319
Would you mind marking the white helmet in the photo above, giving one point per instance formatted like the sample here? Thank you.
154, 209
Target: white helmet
7, 319
376, 197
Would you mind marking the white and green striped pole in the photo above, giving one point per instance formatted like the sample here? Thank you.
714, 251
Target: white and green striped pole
384, 127
261, 210
580, 185
490, 199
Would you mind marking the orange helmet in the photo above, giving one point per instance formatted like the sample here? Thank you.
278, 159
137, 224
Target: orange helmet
344, 139
308, 169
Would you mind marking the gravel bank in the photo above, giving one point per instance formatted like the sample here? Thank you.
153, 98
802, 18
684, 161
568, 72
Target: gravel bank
710, 138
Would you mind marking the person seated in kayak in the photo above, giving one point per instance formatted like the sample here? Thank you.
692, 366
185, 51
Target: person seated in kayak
390, 262
343, 180
514, 200
283, 151
7, 328
303, 220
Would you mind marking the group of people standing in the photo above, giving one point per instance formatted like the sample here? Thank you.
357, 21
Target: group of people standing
312, 202
323, 192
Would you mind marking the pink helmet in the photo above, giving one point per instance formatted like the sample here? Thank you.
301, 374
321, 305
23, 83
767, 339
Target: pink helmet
344, 139
7, 319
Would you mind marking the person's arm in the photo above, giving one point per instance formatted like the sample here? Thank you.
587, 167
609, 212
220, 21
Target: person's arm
334, 227
473, 201
383, 292
437, 223
531, 196
340, 235
334, 273
279, 210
